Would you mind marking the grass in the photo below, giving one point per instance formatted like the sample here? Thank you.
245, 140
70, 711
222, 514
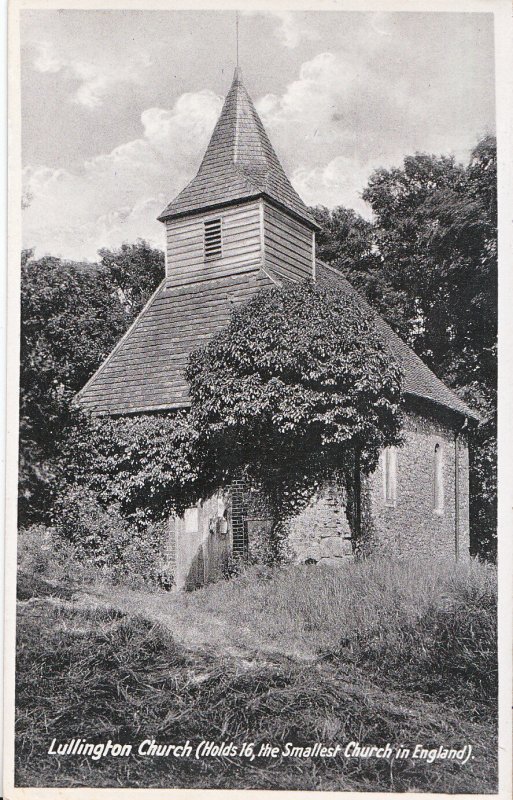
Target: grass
375, 652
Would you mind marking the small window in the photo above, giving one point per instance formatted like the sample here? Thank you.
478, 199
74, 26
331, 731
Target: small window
390, 475
191, 519
213, 245
438, 480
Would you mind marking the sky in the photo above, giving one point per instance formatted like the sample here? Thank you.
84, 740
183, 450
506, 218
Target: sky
118, 107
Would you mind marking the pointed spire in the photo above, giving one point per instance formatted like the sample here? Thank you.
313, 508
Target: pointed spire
239, 163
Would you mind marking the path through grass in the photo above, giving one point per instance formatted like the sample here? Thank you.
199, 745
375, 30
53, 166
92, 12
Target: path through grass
299, 655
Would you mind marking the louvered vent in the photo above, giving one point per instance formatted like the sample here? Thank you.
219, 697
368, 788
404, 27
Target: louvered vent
213, 239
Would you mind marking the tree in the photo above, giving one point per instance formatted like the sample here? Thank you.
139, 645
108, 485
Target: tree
435, 230
72, 315
347, 241
293, 393
134, 270
428, 264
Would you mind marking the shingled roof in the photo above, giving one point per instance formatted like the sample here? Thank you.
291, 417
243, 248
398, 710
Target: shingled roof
145, 372
419, 380
239, 164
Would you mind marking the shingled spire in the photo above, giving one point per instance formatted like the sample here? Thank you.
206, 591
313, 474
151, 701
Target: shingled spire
239, 164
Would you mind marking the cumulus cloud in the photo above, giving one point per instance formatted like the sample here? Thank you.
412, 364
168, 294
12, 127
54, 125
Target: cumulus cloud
96, 78
117, 196
343, 117
315, 102
338, 120
311, 124
334, 184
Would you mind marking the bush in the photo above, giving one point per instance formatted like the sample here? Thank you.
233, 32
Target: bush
94, 543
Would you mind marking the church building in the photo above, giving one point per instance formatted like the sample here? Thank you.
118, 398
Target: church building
239, 227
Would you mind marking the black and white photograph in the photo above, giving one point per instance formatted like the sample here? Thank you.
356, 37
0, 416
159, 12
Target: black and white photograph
252, 534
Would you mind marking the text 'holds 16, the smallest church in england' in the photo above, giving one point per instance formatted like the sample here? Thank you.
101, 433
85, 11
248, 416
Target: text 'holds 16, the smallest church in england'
236, 228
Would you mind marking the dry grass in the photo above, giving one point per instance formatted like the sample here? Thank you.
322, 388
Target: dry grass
305, 611
377, 652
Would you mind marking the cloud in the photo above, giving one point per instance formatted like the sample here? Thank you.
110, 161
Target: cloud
334, 184
344, 116
96, 78
293, 27
340, 118
117, 196
46, 59
314, 102
311, 126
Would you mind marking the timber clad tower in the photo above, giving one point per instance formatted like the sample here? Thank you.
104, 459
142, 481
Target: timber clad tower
238, 227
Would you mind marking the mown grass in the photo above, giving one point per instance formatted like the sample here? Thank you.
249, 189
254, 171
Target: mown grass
384, 652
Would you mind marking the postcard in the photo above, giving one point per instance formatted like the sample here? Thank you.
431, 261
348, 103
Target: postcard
259, 439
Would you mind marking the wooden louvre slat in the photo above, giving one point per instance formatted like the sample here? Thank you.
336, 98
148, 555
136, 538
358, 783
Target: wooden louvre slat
213, 244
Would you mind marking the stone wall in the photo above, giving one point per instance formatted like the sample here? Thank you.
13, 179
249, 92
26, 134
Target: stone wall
408, 525
321, 532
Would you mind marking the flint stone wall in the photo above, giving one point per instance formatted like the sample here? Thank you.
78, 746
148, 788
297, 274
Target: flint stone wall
408, 526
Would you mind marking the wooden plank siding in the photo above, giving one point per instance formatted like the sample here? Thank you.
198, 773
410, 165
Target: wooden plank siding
241, 245
288, 245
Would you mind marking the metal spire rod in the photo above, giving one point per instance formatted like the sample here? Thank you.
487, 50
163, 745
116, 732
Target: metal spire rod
237, 35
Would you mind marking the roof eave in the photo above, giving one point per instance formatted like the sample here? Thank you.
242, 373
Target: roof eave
467, 414
309, 222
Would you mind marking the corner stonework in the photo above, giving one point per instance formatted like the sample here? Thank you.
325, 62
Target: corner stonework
321, 532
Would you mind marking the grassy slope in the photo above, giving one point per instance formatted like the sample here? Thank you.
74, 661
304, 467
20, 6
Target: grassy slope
376, 652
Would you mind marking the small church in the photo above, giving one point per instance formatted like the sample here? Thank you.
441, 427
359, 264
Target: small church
239, 227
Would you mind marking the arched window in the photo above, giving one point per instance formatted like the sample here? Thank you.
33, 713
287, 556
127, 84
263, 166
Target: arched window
438, 479
390, 475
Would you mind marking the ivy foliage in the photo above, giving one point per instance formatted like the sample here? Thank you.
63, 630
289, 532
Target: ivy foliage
296, 387
289, 394
146, 466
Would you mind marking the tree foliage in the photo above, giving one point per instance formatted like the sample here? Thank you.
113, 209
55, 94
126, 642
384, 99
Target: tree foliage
72, 315
135, 271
